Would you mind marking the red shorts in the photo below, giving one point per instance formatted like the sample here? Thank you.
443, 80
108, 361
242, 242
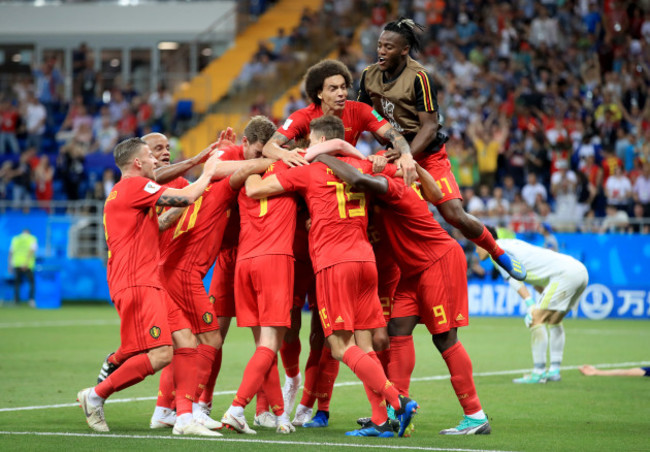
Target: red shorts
438, 295
222, 293
264, 290
347, 297
439, 167
304, 284
145, 314
188, 292
388, 275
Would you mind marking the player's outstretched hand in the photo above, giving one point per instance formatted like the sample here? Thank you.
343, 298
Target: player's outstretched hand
210, 167
227, 138
379, 162
292, 158
587, 370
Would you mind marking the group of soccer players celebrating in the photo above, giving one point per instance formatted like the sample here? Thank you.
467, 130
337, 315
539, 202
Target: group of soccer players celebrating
352, 236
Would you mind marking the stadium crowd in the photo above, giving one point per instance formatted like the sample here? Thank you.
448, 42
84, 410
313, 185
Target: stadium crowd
545, 104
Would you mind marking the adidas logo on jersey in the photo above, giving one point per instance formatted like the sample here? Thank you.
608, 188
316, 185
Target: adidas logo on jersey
339, 319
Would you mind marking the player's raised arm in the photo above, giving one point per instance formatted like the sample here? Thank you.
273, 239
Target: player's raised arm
184, 197
405, 159
254, 166
334, 146
352, 176
168, 173
258, 188
273, 149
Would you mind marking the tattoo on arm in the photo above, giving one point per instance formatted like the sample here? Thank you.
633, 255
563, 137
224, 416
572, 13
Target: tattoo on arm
168, 218
173, 201
279, 139
399, 142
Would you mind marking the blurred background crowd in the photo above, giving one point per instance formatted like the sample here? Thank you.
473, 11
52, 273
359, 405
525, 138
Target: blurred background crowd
545, 102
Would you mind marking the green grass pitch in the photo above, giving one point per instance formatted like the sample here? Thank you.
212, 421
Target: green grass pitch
47, 356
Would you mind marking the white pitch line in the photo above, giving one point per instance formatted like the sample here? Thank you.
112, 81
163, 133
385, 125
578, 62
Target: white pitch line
253, 441
337, 385
59, 323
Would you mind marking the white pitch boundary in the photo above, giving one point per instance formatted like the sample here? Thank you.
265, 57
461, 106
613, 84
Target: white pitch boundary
337, 385
235, 440
59, 323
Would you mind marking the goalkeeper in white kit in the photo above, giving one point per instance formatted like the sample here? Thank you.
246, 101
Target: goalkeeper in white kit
560, 280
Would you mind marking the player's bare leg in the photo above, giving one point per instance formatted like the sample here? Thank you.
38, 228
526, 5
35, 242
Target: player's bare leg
472, 228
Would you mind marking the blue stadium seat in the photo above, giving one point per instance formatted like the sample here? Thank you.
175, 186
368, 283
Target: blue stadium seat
184, 109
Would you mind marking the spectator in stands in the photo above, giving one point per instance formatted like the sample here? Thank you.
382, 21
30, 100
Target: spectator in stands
48, 86
22, 178
279, 41
615, 220
43, 179
6, 173
498, 206
117, 104
108, 181
639, 224
510, 191
22, 259
488, 140
618, 189
106, 136
34, 115
8, 127
70, 167
533, 190
161, 103
641, 189
473, 204
88, 80
563, 189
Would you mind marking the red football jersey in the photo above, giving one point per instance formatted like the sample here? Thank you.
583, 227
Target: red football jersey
339, 216
415, 236
268, 224
195, 239
131, 229
231, 234
357, 117
301, 236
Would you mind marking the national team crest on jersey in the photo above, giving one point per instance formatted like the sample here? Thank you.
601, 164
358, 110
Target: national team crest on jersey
155, 332
208, 317
212, 299
152, 187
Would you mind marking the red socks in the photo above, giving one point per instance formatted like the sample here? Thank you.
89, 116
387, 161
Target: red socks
204, 360
460, 369
369, 371
206, 396
132, 371
272, 389
402, 362
377, 403
290, 354
487, 242
185, 376
262, 403
166, 391
328, 370
384, 359
311, 376
256, 369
